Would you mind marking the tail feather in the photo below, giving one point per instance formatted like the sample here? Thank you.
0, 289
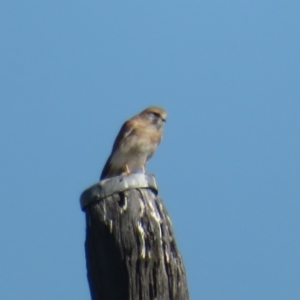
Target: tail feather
108, 171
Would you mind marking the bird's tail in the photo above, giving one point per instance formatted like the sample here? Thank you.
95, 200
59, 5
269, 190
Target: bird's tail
108, 171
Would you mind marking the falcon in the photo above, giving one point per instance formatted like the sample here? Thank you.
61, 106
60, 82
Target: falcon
135, 143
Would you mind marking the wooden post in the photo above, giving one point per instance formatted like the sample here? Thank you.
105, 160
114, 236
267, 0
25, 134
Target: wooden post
130, 248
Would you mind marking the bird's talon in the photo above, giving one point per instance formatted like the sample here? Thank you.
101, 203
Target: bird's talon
127, 170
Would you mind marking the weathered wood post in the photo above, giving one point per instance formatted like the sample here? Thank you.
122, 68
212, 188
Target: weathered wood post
130, 248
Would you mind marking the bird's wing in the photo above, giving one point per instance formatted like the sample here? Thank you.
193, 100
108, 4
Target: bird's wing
122, 140
127, 130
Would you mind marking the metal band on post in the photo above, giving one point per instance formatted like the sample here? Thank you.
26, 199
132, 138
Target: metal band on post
110, 186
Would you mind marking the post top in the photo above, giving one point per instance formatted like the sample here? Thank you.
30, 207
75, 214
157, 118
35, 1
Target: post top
107, 187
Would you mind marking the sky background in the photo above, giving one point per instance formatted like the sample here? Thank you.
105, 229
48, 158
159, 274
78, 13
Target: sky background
228, 168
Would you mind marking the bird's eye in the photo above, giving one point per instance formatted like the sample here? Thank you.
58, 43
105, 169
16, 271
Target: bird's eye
155, 114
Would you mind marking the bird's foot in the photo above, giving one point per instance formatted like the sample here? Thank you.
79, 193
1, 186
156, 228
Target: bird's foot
127, 170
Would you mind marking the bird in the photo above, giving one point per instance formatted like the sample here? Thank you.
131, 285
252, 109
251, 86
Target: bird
135, 143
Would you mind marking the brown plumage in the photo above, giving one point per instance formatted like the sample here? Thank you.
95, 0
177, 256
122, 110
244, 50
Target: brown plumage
135, 143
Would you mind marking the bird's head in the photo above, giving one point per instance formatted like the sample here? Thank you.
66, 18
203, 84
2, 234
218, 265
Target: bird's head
155, 116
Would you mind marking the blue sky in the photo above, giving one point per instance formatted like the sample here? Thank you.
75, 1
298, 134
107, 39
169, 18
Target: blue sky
227, 72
